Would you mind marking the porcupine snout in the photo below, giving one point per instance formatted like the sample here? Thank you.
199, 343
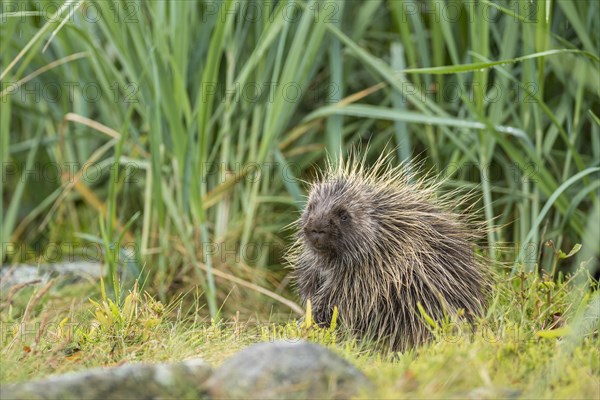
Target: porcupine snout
318, 232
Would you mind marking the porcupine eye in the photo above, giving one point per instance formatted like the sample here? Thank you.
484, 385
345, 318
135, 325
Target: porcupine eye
343, 215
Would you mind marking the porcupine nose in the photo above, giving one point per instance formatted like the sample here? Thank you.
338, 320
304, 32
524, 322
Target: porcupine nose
318, 235
317, 232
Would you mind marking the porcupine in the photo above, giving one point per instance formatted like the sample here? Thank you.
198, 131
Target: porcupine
376, 243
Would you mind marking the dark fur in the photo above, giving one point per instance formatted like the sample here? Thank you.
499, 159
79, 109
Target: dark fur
375, 244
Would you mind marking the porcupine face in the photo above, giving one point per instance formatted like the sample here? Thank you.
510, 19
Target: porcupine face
337, 220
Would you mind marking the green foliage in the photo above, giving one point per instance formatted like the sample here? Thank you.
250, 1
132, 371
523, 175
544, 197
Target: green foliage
126, 324
499, 97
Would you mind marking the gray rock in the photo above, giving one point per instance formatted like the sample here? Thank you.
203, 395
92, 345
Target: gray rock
132, 381
286, 370
23, 273
484, 393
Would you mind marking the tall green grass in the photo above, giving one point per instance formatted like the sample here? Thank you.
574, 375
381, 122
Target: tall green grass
210, 114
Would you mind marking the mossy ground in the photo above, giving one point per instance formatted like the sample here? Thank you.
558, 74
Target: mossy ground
539, 339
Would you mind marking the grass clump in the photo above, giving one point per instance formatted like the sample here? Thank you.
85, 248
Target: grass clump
125, 324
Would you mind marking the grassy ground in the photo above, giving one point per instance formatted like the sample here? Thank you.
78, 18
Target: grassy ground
539, 340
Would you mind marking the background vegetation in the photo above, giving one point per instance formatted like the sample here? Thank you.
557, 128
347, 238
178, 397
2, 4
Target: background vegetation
175, 135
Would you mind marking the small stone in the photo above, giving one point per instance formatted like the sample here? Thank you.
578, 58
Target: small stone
484, 393
131, 381
286, 370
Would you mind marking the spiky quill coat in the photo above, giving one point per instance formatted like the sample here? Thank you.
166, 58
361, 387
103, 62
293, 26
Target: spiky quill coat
377, 243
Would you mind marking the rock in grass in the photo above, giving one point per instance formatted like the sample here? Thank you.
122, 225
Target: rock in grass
22, 273
132, 381
276, 370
